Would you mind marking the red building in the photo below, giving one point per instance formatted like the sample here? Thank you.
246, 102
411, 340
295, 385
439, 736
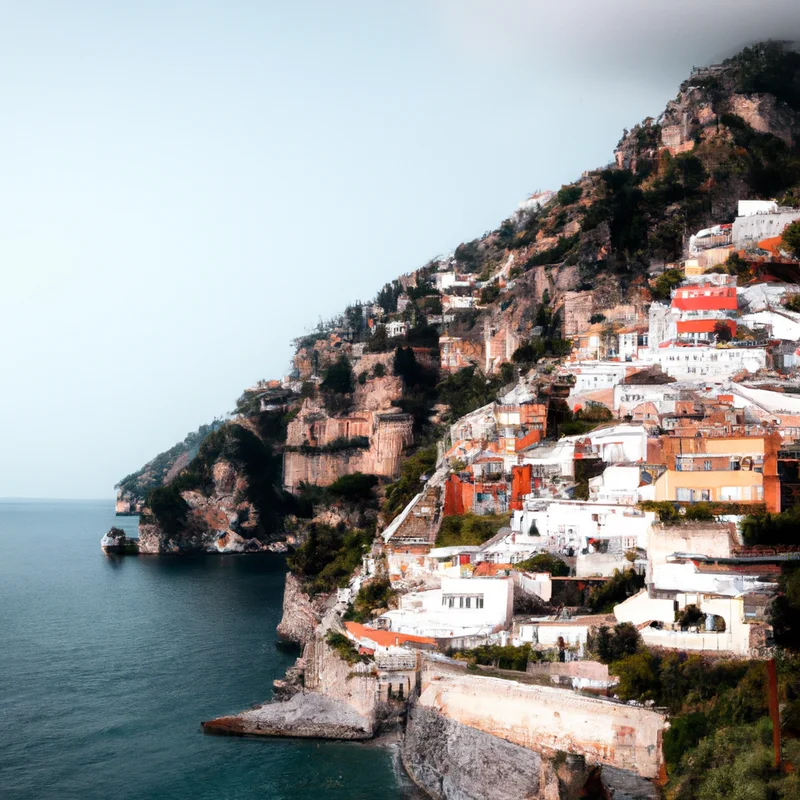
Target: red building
705, 298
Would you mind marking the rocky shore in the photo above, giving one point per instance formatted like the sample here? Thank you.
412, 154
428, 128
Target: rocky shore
305, 715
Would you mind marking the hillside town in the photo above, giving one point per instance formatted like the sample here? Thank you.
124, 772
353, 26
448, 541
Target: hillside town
613, 481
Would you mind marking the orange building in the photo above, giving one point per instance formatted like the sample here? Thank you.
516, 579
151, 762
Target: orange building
733, 468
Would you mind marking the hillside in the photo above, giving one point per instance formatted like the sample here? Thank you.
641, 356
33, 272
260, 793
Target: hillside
376, 383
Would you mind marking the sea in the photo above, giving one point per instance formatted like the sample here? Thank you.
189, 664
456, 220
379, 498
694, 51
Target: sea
108, 664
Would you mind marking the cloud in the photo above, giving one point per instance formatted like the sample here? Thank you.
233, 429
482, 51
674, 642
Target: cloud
627, 40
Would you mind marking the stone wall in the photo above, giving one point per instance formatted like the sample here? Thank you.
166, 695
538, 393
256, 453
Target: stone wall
548, 720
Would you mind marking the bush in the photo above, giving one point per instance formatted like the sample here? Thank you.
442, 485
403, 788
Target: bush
489, 293
567, 195
614, 644
620, 586
554, 255
344, 648
328, 557
470, 529
544, 562
373, 595
354, 488
467, 390
401, 492
663, 285
499, 656
339, 377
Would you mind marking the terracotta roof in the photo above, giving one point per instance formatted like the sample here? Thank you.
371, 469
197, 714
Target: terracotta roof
385, 638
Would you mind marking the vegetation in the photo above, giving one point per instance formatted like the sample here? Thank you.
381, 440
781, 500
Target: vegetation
586, 419
791, 239
793, 303
664, 284
544, 562
339, 444
329, 556
619, 587
358, 488
344, 648
613, 644
338, 386
372, 596
670, 512
500, 656
400, 493
470, 529
718, 741
556, 254
153, 473
785, 611
771, 529
467, 390
567, 195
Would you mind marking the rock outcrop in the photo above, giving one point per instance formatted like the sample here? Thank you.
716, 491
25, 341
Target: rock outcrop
301, 614
453, 762
306, 715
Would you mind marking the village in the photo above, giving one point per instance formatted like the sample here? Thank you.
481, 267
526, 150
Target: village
615, 477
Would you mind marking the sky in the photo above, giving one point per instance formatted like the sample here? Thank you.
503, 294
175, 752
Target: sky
187, 186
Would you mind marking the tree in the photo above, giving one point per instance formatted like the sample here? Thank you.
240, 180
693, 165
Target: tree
339, 377
544, 562
665, 283
791, 239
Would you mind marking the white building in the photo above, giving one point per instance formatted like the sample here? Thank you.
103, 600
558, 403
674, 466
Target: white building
749, 230
778, 324
591, 376
462, 607
710, 362
580, 525
396, 328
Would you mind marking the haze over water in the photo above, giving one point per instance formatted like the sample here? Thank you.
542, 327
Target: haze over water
108, 665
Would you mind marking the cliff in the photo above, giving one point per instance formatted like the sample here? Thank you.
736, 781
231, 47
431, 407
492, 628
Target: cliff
227, 500
301, 614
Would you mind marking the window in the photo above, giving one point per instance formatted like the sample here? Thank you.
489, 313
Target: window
683, 495
467, 602
479, 602
461, 602
706, 465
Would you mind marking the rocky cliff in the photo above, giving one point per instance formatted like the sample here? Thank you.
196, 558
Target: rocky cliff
301, 614
227, 500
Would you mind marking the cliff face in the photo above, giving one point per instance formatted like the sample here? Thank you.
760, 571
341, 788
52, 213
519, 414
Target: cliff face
301, 614
453, 762
370, 437
229, 499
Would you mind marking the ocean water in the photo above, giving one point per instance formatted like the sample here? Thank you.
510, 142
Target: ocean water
108, 665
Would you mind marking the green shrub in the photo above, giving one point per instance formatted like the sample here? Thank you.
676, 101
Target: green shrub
372, 595
544, 562
344, 648
354, 488
619, 587
567, 195
470, 529
328, 557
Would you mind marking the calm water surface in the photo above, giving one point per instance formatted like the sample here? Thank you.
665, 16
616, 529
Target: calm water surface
107, 666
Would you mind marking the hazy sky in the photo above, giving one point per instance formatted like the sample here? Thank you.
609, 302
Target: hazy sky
186, 186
